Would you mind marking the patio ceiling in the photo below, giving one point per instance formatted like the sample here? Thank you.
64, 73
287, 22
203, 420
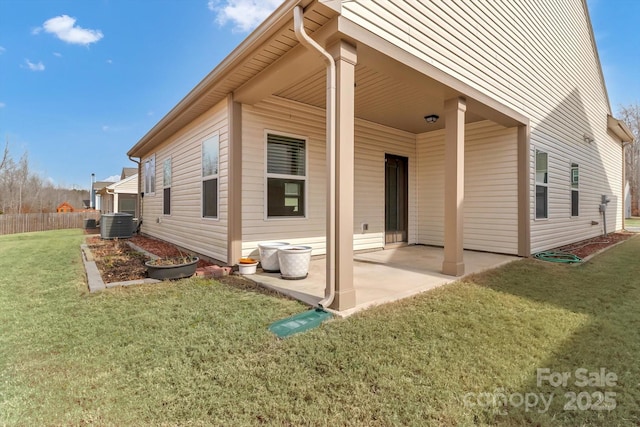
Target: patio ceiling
392, 90
386, 92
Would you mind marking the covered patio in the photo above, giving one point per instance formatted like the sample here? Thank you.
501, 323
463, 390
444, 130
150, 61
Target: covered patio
382, 276
365, 80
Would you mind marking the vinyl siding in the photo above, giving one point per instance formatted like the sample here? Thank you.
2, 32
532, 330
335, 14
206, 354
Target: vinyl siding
490, 197
538, 58
371, 143
185, 226
128, 186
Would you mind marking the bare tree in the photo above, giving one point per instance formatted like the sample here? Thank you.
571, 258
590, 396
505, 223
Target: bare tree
22, 191
630, 114
5, 155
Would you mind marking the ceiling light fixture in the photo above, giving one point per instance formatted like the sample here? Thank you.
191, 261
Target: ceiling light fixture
431, 118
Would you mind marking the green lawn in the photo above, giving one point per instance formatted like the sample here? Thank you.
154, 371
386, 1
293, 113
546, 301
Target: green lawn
632, 222
196, 352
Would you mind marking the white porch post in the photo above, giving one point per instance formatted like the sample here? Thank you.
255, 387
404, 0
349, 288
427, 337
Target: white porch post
345, 57
454, 112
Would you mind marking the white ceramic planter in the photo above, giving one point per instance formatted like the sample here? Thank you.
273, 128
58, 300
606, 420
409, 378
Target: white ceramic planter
269, 255
245, 269
294, 261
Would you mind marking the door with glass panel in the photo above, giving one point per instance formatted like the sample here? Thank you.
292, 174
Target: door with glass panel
396, 199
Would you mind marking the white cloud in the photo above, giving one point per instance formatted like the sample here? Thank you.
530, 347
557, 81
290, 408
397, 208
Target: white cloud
2, 50
64, 27
112, 178
2, 105
115, 128
58, 54
34, 67
245, 15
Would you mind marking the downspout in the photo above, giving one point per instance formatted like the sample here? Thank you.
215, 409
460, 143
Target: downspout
138, 201
624, 182
113, 202
309, 43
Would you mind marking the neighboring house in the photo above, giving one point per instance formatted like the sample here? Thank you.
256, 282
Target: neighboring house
109, 199
484, 127
98, 187
64, 207
120, 196
127, 172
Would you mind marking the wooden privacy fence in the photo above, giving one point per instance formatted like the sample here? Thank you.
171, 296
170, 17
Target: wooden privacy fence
24, 223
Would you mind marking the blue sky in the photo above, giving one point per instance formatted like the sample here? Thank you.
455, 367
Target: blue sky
82, 80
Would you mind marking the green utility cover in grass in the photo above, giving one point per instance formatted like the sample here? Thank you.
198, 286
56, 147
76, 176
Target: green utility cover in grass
299, 323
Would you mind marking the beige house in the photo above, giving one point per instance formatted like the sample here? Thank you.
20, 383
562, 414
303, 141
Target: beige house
353, 126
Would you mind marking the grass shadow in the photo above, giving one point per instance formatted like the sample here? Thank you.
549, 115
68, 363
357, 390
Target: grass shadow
603, 297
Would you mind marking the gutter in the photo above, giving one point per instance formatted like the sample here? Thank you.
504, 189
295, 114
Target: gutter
309, 43
139, 195
620, 129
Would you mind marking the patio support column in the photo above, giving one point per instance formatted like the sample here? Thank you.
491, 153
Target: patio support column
524, 233
345, 57
234, 203
454, 112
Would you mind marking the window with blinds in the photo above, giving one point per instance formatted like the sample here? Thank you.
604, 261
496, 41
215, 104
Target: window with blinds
286, 176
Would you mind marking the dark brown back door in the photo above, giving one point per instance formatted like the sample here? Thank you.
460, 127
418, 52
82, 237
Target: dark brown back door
396, 198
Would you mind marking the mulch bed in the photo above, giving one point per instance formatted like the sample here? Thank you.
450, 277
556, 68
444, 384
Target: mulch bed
588, 247
162, 249
118, 262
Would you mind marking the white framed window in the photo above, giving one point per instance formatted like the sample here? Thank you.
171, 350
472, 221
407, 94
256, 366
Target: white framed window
150, 175
575, 190
542, 185
210, 167
286, 176
166, 187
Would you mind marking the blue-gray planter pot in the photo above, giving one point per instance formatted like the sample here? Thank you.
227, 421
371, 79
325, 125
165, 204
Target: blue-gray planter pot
172, 272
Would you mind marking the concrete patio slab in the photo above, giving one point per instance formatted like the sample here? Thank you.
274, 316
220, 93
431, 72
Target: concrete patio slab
383, 276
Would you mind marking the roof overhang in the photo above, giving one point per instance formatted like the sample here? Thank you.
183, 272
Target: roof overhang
223, 79
619, 129
122, 182
262, 66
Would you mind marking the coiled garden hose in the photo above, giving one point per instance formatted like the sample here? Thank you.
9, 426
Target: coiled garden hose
554, 256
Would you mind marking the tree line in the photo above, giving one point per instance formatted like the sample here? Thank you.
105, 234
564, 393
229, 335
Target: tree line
630, 114
24, 191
